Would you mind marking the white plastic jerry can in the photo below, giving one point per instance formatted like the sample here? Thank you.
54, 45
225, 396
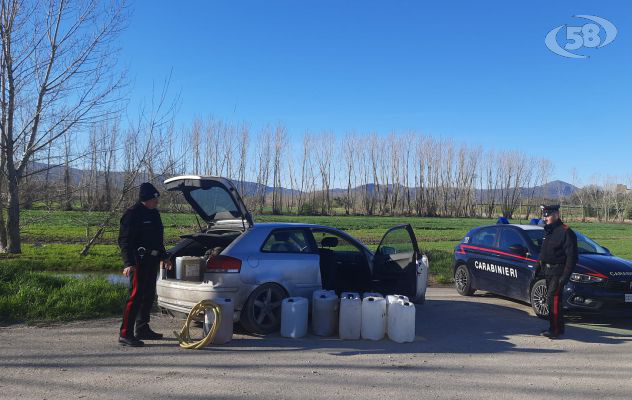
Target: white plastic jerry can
371, 294
373, 318
350, 322
294, 317
394, 298
325, 314
225, 332
401, 322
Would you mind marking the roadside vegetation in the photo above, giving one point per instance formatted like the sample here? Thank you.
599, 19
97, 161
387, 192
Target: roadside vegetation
27, 296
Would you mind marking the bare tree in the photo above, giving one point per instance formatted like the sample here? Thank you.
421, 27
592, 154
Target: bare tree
56, 74
280, 139
242, 150
262, 167
348, 150
144, 144
324, 158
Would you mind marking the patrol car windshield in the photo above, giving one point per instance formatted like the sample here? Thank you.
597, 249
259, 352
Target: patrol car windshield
585, 245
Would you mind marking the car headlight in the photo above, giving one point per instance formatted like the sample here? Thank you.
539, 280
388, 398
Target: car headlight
585, 278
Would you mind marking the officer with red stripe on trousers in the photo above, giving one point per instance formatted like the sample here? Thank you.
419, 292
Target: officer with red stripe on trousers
141, 243
558, 257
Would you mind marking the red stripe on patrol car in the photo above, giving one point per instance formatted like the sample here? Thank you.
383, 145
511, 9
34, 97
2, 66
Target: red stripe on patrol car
469, 246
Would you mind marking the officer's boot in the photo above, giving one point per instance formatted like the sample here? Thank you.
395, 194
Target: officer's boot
145, 333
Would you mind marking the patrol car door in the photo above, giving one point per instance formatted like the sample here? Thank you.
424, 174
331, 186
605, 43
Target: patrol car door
482, 258
517, 268
396, 262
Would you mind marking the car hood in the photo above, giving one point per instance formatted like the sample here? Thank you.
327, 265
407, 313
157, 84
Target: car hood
611, 266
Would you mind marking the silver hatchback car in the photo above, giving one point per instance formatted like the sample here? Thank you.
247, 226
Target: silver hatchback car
258, 265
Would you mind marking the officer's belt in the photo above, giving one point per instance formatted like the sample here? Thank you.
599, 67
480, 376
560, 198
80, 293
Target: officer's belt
144, 252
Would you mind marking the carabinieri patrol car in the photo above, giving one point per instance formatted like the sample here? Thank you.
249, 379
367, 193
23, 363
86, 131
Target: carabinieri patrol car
502, 259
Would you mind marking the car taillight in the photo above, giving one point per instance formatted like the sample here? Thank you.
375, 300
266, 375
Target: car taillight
223, 264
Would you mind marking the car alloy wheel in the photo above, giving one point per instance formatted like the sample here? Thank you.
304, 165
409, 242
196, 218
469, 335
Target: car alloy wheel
263, 309
462, 281
538, 299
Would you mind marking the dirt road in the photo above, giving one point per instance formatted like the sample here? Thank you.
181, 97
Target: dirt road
466, 348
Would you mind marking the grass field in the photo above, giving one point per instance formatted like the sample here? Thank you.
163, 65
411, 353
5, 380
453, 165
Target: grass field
53, 239
41, 296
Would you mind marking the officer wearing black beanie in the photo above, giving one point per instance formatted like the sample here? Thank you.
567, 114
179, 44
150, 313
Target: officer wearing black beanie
141, 243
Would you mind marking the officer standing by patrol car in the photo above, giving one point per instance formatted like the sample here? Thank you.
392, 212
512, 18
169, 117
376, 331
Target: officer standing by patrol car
141, 242
558, 257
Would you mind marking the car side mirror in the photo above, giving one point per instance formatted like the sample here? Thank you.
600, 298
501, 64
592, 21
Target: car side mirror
518, 249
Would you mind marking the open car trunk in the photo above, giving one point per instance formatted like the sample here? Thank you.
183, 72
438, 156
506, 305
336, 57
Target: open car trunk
218, 203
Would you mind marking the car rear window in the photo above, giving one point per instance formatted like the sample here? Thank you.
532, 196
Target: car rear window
288, 241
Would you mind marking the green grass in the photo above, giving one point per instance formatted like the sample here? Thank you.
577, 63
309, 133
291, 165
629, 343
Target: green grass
54, 239
27, 296
64, 257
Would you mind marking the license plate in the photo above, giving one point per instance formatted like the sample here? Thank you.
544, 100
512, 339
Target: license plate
628, 297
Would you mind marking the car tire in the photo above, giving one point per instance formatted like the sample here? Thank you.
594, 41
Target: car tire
538, 299
262, 311
463, 281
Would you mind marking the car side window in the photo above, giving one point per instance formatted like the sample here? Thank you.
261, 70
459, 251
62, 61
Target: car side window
485, 237
338, 244
510, 237
288, 241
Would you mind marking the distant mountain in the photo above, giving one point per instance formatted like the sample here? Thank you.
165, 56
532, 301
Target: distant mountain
551, 190
555, 189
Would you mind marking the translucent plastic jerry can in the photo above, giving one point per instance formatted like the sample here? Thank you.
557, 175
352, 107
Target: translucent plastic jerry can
294, 317
350, 321
401, 322
394, 298
373, 318
225, 332
325, 314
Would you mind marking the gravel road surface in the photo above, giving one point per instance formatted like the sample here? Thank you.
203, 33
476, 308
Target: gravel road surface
482, 347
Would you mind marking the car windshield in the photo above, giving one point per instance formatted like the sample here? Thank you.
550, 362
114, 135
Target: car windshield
585, 245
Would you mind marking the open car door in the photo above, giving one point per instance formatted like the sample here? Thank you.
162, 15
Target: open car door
397, 263
214, 199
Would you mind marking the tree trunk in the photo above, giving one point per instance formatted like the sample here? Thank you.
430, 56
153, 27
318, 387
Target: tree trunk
3, 228
13, 219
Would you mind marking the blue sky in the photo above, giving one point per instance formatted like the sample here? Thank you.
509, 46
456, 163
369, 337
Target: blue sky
478, 72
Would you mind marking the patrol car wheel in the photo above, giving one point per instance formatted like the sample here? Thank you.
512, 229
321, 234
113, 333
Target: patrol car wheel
538, 299
262, 312
463, 281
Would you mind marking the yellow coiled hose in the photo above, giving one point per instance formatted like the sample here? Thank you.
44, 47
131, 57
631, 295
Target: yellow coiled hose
184, 336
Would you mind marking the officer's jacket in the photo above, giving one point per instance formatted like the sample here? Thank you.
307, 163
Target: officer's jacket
140, 227
559, 247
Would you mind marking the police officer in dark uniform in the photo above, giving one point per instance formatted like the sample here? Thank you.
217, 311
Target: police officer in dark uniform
141, 243
558, 257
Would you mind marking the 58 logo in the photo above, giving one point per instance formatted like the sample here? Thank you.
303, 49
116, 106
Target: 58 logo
591, 35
